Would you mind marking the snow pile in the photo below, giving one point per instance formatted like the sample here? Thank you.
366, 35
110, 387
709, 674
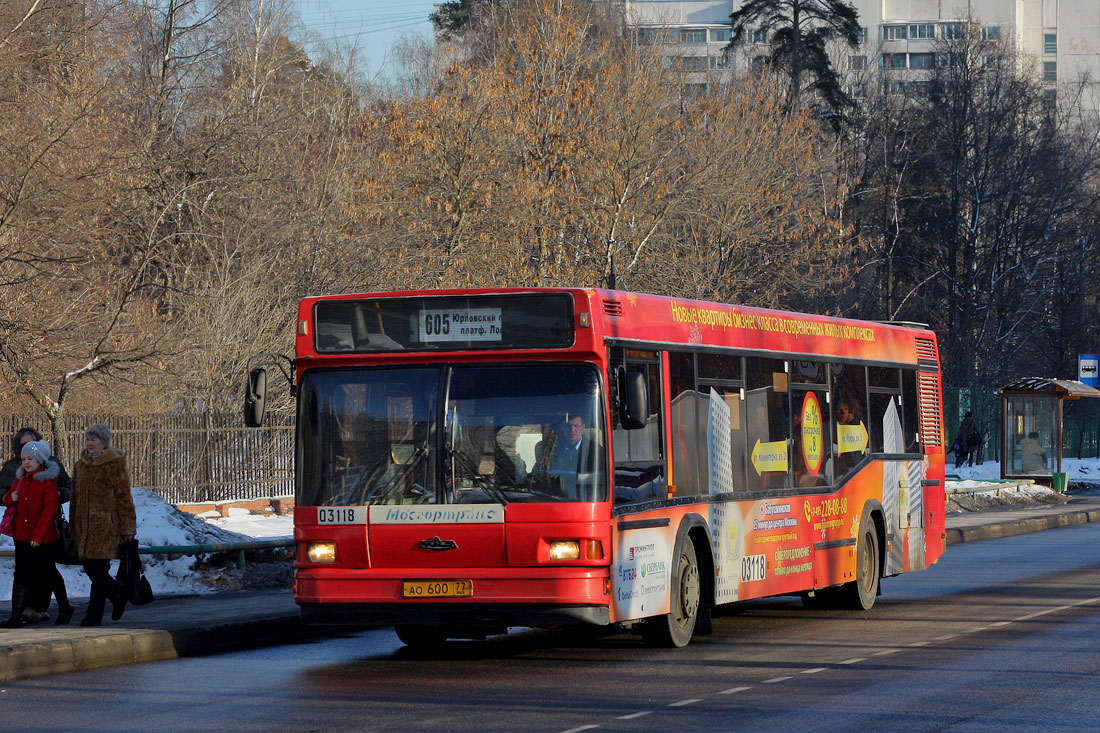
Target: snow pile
160, 523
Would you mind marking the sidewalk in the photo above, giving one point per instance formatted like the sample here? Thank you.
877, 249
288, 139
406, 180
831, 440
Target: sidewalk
178, 626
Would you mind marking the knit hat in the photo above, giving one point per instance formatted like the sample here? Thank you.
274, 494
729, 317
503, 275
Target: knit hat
100, 431
39, 449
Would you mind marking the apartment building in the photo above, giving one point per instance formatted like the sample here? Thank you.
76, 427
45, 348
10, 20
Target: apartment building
1059, 38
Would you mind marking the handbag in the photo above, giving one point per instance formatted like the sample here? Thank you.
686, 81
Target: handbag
131, 575
142, 593
7, 524
68, 548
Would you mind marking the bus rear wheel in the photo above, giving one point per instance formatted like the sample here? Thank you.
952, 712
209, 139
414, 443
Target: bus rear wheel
675, 628
860, 593
420, 637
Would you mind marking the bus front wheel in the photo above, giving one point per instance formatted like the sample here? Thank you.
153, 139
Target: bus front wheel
675, 628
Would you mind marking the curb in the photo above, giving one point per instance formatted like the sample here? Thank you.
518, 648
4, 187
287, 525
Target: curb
107, 648
1020, 526
34, 659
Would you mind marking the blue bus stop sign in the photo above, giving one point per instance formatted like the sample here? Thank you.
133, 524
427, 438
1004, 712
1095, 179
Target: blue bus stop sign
1087, 369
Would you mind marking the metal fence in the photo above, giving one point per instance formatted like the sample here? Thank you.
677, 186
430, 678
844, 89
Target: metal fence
192, 457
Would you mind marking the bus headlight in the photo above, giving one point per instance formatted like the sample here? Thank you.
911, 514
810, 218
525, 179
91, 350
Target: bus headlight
576, 549
565, 549
321, 552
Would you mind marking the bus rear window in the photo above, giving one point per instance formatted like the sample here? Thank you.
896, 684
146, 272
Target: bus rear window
445, 323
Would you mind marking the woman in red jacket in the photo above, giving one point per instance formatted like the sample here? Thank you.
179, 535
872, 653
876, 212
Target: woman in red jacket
35, 500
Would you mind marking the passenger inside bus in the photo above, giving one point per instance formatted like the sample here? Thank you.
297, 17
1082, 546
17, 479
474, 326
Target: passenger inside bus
847, 418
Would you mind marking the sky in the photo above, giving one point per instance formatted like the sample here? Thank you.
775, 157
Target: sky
375, 24
160, 523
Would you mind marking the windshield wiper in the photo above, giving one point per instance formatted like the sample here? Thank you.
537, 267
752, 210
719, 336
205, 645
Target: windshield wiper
469, 470
400, 471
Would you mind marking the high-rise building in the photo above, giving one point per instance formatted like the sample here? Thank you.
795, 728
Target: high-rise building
1058, 39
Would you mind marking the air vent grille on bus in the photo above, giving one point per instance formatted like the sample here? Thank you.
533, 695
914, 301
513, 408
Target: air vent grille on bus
926, 349
613, 308
928, 402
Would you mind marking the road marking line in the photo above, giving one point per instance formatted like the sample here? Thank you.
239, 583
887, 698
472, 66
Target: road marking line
732, 690
578, 730
975, 630
853, 661
685, 702
945, 638
773, 680
1056, 610
635, 715
884, 652
1001, 623
918, 643
815, 670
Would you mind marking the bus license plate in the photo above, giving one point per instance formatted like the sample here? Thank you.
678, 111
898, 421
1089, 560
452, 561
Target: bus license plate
437, 589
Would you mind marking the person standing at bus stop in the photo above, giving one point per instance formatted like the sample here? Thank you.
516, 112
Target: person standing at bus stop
102, 516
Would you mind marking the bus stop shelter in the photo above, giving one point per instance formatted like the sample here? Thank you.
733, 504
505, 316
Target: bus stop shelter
1031, 436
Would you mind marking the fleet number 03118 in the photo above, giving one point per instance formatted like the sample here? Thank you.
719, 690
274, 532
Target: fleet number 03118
753, 567
341, 515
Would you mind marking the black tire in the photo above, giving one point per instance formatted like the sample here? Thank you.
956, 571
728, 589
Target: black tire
860, 594
420, 637
675, 628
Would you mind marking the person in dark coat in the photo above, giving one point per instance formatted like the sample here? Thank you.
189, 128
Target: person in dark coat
35, 498
959, 449
972, 436
37, 600
101, 516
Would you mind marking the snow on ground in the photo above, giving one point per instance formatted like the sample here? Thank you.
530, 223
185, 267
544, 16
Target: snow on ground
981, 487
257, 526
160, 524
1078, 469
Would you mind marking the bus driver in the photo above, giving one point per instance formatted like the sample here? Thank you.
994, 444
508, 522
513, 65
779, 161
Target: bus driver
573, 454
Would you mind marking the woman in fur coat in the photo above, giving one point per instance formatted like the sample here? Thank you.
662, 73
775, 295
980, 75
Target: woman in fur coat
101, 516
35, 498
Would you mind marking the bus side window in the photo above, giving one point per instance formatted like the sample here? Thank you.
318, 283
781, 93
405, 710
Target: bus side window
767, 422
639, 473
687, 426
883, 387
851, 420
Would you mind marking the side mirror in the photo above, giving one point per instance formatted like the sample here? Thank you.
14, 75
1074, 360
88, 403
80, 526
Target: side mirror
255, 398
633, 400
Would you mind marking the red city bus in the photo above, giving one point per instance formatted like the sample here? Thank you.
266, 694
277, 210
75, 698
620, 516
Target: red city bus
470, 460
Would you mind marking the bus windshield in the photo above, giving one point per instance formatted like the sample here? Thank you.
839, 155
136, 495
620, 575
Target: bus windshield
451, 435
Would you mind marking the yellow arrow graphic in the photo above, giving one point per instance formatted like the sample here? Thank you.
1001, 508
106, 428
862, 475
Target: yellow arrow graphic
851, 438
769, 456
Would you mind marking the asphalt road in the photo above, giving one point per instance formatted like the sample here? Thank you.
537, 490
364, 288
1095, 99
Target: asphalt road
1000, 635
